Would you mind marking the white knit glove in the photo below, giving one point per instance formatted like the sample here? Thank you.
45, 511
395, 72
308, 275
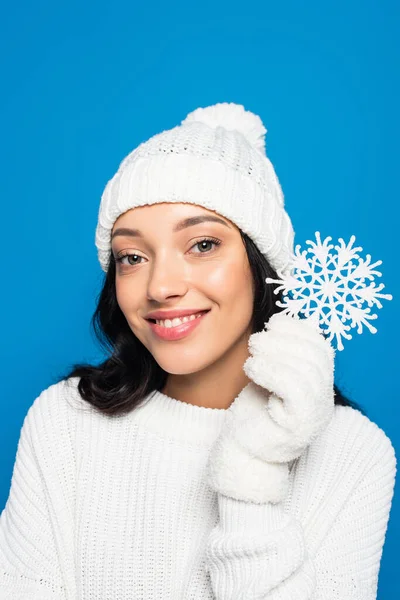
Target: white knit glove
289, 401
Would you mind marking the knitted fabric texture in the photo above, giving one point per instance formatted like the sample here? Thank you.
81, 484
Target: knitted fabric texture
215, 159
103, 508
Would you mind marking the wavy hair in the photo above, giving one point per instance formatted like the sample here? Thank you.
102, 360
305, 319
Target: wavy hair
130, 372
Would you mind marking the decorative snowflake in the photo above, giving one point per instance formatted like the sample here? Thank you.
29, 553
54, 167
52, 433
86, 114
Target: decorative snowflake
337, 293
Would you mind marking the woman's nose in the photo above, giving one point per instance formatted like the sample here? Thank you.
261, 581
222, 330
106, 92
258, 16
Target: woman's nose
168, 276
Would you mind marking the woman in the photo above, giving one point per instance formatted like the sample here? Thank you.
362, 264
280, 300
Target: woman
207, 457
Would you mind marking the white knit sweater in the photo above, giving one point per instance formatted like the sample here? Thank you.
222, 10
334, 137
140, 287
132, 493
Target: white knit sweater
105, 508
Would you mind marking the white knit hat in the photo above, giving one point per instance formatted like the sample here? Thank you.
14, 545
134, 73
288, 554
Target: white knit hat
216, 159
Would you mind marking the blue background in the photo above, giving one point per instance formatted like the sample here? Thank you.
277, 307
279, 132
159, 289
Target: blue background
85, 83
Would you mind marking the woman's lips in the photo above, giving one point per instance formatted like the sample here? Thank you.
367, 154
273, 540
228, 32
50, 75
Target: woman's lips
178, 332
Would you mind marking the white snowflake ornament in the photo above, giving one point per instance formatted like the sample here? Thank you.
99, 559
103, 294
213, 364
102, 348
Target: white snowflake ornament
330, 289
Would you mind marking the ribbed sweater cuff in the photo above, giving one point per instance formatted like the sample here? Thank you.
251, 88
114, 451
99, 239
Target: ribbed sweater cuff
238, 516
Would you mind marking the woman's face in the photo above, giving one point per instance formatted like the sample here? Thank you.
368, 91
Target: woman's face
167, 267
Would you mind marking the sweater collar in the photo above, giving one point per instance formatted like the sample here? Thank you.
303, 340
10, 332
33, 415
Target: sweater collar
179, 420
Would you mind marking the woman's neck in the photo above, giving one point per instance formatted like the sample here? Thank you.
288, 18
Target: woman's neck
215, 386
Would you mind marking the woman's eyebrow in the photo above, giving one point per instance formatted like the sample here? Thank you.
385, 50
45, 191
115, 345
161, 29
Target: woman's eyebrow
188, 222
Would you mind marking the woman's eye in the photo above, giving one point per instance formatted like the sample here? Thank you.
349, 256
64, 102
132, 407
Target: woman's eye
201, 243
119, 259
206, 241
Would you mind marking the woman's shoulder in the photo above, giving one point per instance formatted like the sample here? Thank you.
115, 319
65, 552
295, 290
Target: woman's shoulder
352, 458
55, 406
357, 432
350, 446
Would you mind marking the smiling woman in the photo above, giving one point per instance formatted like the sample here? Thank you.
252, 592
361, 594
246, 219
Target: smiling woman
177, 266
163, 257
210, 456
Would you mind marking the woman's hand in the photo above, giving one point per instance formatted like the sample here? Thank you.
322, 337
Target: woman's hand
289, 401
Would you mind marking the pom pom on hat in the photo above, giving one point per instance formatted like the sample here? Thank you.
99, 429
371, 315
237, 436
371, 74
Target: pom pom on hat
232, 116
216, 158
